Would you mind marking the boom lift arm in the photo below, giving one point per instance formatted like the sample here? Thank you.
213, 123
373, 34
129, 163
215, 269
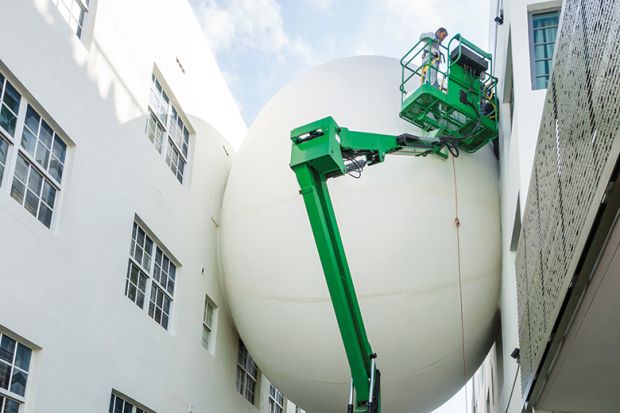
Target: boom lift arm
452, 119
323, 150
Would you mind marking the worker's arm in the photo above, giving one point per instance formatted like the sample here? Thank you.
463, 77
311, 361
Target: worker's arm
428, 36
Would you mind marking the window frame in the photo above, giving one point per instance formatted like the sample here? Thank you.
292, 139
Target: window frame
277, 401
246, 376
175, 125
152, 285
4, 164
85, 7
209, 330
8, 393
136, 407
17, 149
530, 18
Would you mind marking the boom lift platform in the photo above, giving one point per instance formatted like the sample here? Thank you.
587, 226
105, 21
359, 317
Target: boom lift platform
461, 117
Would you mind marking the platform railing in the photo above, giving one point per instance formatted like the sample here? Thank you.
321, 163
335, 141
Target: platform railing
425, 65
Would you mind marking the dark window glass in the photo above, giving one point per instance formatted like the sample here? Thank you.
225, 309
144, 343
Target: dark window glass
7, 349
22, 359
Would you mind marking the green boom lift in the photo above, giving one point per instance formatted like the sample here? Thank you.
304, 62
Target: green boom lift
462, 116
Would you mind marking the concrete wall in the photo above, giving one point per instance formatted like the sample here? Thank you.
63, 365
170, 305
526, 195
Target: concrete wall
518, 137
63, 289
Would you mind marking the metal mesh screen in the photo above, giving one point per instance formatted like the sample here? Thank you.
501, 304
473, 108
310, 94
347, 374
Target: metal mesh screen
580, 120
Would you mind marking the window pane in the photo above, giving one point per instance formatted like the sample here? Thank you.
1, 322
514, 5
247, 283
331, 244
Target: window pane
155, 132
59, 149
21, 169
543, 52
4, 149
18, 383
46, 135
35, 182
135, 284
130, 290
542, 68
547, 35
148, 251
239, 381
42, 156
546, 19
185, 142
180, 170
7, 120
17, 191
55, 169
22, 359
5, 375
32, 203
32, 120
11, 97
205, 337
29, 141
49, 194
7, 349
45, 215
11, 406
541, 83
550, 34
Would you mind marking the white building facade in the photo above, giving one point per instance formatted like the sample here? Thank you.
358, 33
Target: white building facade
116, 135
558, 89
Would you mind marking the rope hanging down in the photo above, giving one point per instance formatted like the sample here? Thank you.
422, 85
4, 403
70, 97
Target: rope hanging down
457, 223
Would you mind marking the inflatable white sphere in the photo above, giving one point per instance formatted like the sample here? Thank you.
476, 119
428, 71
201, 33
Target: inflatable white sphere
398, 228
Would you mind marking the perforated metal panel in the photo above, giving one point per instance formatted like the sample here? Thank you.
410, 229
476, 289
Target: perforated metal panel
575, 148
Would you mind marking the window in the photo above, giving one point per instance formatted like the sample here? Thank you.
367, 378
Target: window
148, 277
40, 159
8, 405
208, 324
120, 405
543, 32
14, 369
167, 131
9, 106
9, 99
74, 12
4, 150
276, 400
247, 374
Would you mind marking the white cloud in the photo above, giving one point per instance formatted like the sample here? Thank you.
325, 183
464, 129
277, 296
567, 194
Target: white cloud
320, 5
248, 25
399, 19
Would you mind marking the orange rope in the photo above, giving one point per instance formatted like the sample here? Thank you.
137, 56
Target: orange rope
457, 222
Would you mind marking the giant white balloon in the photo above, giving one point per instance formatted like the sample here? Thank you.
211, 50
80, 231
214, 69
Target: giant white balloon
398, 228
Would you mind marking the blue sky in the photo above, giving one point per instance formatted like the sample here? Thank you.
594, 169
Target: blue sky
261, 45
